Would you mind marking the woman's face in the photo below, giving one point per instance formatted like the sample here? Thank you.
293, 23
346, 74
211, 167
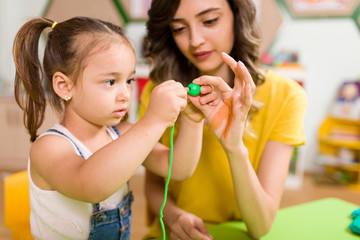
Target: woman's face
202, 29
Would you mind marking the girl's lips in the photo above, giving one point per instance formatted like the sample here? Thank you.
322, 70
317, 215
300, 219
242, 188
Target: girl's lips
202, 55
120, 113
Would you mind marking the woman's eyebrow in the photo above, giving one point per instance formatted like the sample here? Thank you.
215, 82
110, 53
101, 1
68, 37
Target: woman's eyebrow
197, 15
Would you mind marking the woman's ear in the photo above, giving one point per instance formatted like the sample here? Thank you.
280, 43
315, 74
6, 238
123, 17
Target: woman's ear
62, 85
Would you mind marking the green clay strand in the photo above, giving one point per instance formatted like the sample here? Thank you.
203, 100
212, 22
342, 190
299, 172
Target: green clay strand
167, 182
194, 89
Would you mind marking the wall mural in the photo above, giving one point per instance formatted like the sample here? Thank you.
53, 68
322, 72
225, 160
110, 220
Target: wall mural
273, 14
322, 9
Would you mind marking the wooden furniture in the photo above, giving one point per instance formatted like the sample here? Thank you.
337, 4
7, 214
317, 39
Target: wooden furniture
14, 138
339, 149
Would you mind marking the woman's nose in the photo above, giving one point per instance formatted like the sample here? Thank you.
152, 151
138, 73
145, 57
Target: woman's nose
196, 38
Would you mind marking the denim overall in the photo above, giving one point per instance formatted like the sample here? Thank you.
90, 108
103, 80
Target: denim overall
112, 224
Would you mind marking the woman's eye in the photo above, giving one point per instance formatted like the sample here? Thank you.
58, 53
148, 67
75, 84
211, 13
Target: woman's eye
110, 82
131, 80
211, 21
177, 30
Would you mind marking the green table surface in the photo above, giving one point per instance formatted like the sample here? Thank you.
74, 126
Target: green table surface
325, 219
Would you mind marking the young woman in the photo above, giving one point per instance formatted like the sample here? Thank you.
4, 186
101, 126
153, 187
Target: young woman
79, 169
185, 39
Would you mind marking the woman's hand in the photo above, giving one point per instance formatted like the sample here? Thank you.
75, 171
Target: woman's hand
193, 113
208, 96
227, 114
188, 226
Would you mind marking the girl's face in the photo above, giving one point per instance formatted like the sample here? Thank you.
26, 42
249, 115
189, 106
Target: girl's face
202, 29
102, 96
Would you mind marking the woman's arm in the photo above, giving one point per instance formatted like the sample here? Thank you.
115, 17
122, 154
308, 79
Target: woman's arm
183, 225
258, 195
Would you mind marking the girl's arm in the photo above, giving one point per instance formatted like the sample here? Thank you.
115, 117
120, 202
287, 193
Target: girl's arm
55, 165
187, 149
187, 146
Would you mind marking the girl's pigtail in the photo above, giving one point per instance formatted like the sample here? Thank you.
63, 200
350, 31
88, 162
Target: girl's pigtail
29, 91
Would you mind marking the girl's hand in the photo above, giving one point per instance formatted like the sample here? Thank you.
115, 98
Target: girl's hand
167, 100
227, 115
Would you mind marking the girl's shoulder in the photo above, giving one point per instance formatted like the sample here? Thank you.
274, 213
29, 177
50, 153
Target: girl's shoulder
50, 142
48, 152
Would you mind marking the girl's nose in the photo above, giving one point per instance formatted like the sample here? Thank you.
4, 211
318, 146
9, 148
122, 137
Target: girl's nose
124, 93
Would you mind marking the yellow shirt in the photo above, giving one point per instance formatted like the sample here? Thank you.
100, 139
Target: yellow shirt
209, 193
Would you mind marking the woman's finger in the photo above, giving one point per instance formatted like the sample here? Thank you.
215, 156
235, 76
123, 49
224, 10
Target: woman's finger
242, 75
216, 82
205, 89
247, 96
208, 98
178, 233
245, 75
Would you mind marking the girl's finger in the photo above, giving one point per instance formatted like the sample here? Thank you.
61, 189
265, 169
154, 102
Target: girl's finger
168, 82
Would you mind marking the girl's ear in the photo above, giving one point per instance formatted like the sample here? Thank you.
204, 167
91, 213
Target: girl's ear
62, 85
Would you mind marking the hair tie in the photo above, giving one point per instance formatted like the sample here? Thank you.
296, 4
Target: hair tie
53, 25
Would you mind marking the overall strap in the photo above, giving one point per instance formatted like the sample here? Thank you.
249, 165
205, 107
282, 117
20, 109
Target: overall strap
116, 130
63, 134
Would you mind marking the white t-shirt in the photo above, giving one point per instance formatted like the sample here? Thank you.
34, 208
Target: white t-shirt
54, 216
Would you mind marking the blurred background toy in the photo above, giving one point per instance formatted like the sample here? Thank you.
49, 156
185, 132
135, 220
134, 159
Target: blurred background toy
347, 102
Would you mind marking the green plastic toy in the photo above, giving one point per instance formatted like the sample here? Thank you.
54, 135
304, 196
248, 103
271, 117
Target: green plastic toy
355, 225
194, 89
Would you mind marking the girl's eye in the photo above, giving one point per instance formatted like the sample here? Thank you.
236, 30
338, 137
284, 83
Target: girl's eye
211, 21
110, 82
131, 80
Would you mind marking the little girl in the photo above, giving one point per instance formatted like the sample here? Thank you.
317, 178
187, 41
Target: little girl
80, 168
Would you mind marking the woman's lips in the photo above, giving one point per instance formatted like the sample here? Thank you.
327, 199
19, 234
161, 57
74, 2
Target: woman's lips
202, 55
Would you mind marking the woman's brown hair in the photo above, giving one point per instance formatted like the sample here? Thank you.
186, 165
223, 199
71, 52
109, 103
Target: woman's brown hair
64, 52
169, 63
